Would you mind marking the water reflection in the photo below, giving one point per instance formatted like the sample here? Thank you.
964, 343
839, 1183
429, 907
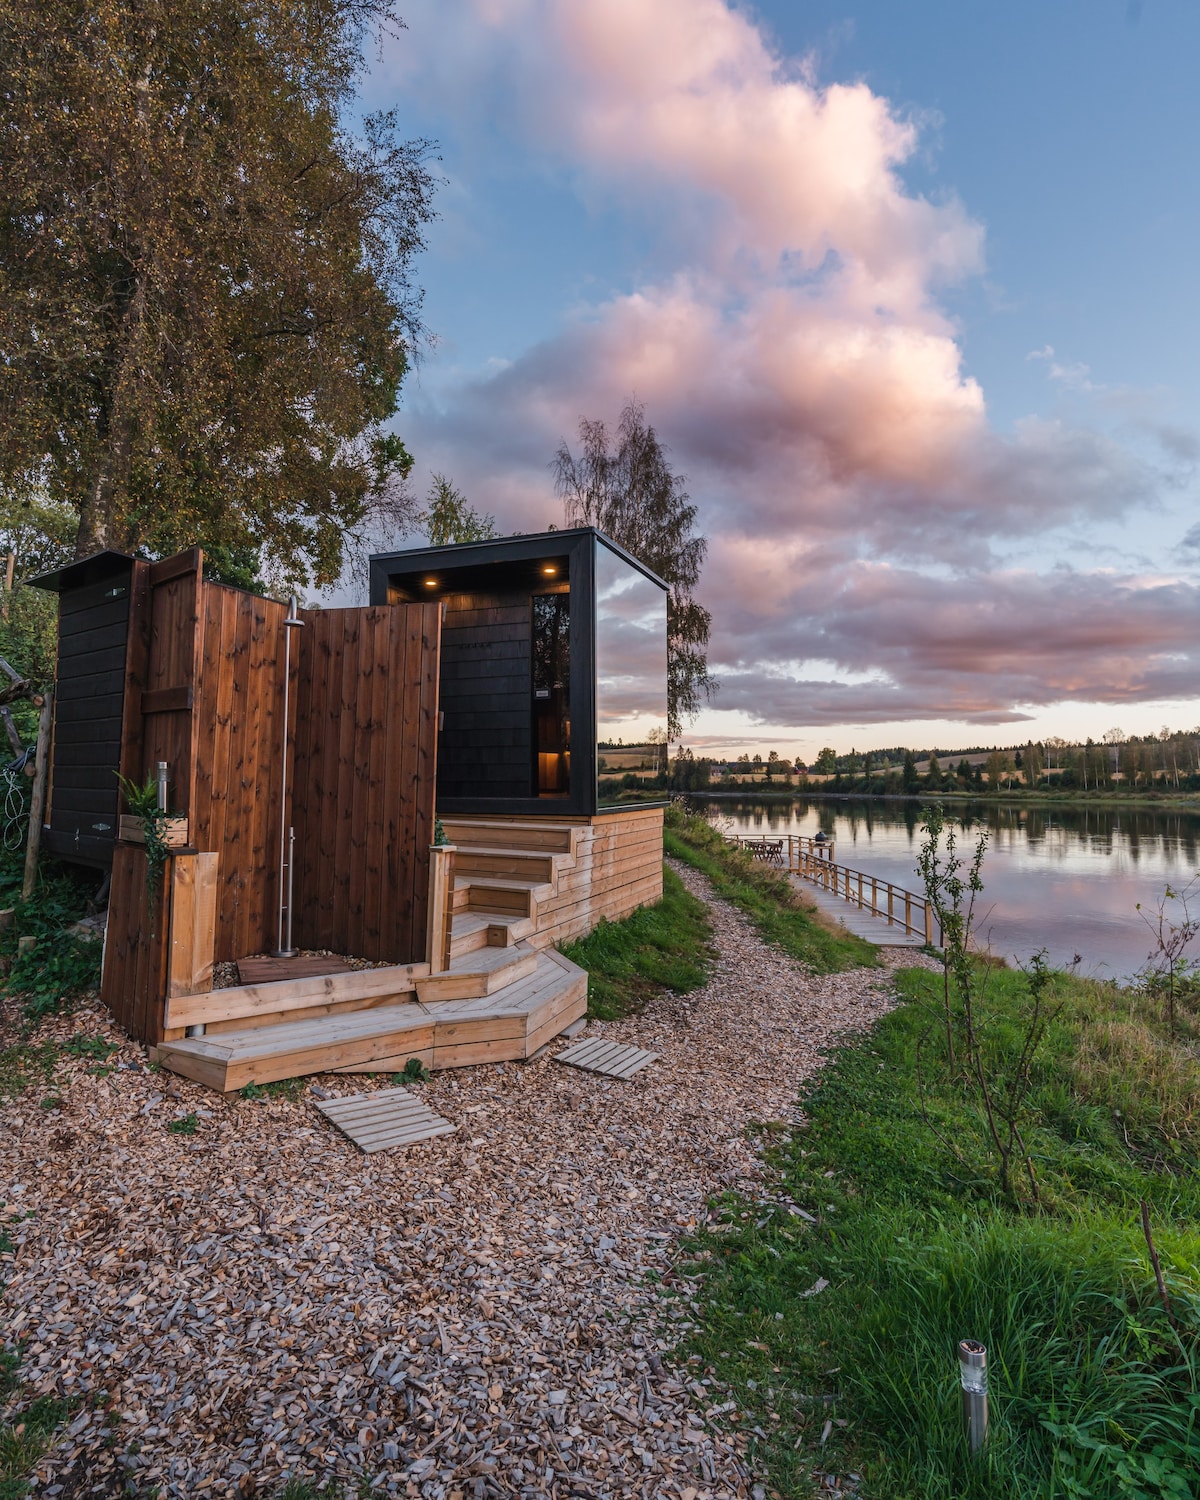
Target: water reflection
1067, 879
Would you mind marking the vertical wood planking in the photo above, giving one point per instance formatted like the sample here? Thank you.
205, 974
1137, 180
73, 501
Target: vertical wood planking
193, 920
365, 758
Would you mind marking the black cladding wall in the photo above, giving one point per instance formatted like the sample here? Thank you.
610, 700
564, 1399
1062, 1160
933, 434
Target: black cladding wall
93, 633
484, 748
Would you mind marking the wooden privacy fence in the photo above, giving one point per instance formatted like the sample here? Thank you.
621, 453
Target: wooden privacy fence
204, 692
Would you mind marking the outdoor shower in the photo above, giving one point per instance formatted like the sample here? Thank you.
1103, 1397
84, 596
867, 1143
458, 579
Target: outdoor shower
287, 834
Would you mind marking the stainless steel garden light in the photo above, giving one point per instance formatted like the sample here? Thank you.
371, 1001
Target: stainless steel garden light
972, 1374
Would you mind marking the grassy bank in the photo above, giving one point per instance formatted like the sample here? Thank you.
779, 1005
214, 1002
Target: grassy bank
1095, 1392
764, 895
662, 947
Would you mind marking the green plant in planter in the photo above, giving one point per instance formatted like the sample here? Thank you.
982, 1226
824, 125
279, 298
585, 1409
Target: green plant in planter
439, 832
142, 802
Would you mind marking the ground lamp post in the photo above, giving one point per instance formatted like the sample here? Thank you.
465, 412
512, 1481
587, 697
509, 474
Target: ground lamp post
287, 834
972, 1374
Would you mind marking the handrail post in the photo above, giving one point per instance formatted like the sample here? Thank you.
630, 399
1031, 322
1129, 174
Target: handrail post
928, 925
874, 896
860, 890
908, 926
891, 903
441, 907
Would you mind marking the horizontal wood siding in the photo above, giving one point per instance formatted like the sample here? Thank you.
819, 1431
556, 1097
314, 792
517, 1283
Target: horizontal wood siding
366, 691
485, 749
92, 636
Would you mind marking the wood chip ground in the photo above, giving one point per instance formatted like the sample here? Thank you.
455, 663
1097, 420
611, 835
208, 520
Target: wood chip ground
470, 1317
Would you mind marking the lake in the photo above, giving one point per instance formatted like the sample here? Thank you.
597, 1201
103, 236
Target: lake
1065, 879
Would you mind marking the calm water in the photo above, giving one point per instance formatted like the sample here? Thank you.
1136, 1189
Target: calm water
1067, 880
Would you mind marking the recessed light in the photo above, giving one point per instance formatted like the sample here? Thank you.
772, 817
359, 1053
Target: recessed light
431, 583
549, 571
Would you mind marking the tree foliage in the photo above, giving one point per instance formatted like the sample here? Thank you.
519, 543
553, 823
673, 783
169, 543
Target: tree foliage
629, 491
448, 517
206, 305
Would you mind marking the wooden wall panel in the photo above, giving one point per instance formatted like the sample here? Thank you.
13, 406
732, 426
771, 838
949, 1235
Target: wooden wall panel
239, 731
134, 980
365, 762
93, 626
486, 742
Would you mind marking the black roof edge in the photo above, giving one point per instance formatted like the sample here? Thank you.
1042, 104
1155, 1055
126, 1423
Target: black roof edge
510, 548
79, 574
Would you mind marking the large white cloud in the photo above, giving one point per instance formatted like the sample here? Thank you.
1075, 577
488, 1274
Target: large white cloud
796, 358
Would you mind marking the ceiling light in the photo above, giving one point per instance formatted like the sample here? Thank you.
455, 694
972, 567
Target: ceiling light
549, 570
431, 583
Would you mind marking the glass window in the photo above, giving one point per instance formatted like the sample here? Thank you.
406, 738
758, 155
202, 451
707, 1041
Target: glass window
631, 681
552, 694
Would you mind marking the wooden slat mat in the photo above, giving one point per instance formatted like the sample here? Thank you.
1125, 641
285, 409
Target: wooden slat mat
595, 1055
392, 1117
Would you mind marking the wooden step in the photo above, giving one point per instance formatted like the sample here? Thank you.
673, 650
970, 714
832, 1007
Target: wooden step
507, 1026
485, 971
508, 864
231, 1059
516, 833
491, 894
471, 930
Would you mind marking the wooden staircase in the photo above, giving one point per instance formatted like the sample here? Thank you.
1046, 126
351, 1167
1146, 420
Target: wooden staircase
502, 998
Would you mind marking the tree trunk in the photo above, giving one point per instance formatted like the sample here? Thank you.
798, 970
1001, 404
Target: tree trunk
97, 514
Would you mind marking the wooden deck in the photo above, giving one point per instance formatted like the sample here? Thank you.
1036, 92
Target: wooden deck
519, 886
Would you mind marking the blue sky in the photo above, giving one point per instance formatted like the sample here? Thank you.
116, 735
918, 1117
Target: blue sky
908, 291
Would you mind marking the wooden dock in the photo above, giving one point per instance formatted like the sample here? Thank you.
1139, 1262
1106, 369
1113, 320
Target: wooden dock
864, 904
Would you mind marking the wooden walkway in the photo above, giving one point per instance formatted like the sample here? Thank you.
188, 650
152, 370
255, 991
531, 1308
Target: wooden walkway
866, 905
863, 924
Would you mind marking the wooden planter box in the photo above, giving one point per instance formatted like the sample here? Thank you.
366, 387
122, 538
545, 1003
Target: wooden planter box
132, 830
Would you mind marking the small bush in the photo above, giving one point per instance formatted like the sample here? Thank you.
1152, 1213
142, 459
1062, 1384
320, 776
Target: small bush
415, 1071
53, 973
185, 1125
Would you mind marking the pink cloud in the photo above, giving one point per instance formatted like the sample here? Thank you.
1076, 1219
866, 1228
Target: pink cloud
799, 364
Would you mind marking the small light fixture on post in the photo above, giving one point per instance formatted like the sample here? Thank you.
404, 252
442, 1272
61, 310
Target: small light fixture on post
972, 1374
162, 786
287, 834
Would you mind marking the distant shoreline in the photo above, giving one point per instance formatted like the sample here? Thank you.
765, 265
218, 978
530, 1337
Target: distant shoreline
1182, 801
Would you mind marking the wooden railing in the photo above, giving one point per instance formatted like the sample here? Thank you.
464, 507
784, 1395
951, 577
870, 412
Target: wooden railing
813, 861
782, 850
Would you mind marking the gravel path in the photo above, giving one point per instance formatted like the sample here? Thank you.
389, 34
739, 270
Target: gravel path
470, 1317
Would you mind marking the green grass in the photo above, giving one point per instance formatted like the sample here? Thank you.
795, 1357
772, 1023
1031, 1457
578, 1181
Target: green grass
290, 1089
1094, 1394
26, 1435
662, 947
25, 1063
764, 895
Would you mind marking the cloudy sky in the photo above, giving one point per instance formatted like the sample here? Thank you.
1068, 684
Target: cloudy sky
909, 291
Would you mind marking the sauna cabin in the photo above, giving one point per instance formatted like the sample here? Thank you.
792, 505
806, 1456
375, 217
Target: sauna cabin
552, 645
308, 755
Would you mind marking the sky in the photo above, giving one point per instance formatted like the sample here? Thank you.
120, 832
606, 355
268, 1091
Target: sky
908, 292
